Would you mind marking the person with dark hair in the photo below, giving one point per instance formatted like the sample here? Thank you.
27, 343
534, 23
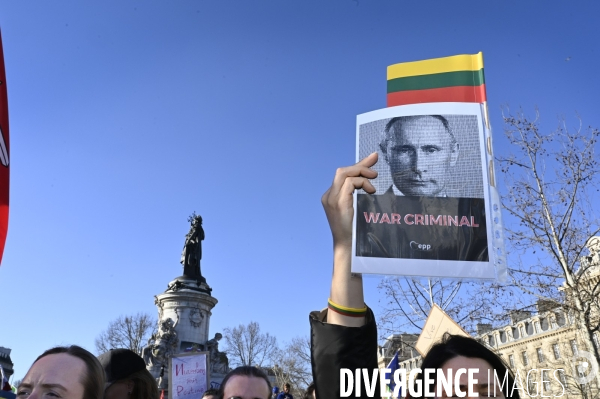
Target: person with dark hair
68, 372
210, 394
458, 352
126, 376
285, 394
310, 392
245, 382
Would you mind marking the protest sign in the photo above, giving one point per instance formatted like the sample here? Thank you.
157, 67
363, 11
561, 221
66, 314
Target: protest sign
189, 375
438, 323
435, 212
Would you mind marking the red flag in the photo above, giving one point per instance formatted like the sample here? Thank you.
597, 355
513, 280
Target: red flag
162, 394
4, 154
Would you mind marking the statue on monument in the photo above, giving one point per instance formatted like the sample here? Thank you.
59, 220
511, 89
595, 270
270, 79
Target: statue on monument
192, 249
219, 363
161, 346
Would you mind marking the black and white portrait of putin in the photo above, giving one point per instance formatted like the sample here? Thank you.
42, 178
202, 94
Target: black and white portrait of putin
420, 151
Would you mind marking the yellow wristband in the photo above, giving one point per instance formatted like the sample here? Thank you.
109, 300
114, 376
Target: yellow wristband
346, 311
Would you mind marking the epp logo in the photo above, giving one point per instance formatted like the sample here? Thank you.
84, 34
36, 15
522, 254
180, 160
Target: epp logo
420, 247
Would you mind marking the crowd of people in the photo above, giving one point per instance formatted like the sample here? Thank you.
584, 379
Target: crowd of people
343, 336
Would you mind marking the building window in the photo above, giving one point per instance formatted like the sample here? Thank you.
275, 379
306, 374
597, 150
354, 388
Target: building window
573, 344
532, 384
511, 361
529, 328
540, 355
544, 324
560, 319
562, 377
515, 333
556, 351
525, 359
546, 380
502, 336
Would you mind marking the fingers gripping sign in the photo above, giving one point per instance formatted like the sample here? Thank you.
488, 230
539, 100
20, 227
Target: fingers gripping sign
338, 201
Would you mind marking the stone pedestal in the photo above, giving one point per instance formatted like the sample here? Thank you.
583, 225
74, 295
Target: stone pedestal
189, 305
184, 311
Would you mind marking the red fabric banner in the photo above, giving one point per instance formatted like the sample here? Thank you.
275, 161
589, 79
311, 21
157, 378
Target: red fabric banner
4, 154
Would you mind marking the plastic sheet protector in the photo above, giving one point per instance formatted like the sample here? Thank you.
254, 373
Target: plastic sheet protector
436, 210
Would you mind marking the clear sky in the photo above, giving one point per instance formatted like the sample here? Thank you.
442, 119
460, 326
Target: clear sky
126, 116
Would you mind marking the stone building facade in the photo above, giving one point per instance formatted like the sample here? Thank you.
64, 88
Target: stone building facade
547, 345
544, 344
403, 344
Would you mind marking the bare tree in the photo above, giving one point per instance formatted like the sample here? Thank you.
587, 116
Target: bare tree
247, 346
292, 365
407, 302
551, 178
131, 332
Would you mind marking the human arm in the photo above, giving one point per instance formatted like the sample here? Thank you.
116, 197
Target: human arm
346, 287
337, 341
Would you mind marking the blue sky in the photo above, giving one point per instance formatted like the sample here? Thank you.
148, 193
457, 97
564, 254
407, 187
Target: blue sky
126, 116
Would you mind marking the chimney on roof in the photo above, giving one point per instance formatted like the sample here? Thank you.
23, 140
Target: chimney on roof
544, 305
518, 315
483, 328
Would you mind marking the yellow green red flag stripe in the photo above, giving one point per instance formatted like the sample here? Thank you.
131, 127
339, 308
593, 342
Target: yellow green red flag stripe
459, 78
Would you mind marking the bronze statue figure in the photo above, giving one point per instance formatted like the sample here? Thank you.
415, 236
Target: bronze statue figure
192, 249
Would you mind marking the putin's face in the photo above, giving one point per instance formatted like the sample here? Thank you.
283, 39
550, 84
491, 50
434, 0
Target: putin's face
420, 153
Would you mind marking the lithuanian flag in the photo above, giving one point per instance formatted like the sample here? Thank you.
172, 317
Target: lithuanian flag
450, 79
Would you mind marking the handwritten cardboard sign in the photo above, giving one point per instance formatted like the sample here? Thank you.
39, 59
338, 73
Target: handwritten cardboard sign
438, 323
189, 375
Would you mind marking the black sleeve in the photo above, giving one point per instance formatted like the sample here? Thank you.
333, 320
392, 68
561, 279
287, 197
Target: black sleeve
334, 347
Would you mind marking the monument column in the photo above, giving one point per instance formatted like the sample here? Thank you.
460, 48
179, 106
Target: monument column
189, 305
184, 311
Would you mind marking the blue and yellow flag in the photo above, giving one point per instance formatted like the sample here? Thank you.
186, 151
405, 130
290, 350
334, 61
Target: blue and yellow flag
393, 366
